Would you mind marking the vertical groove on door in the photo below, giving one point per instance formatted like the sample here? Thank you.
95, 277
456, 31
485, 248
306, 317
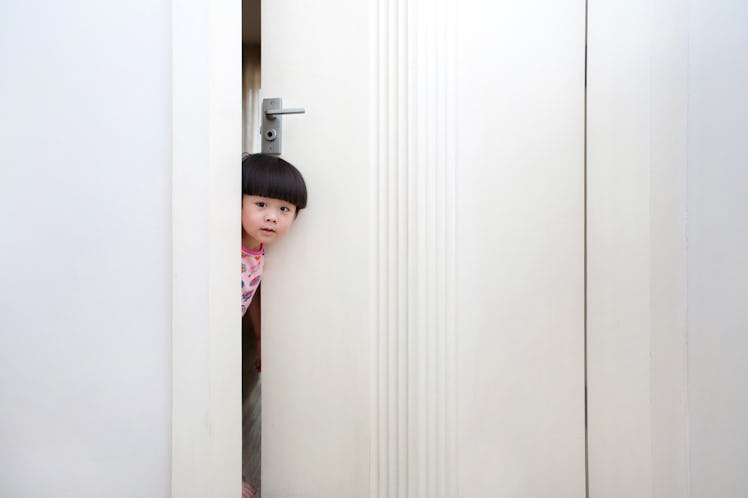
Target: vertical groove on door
413, 354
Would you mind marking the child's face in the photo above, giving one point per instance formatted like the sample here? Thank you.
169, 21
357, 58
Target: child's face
264, 219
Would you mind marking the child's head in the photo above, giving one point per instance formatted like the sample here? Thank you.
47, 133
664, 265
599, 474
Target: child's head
273, 193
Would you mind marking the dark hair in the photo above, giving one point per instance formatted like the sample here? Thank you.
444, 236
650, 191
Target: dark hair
271, 176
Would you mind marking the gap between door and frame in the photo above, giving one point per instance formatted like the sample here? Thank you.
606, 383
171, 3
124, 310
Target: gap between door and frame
586, 413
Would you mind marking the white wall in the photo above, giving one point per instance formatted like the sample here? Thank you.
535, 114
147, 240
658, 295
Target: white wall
718, 248
86, 253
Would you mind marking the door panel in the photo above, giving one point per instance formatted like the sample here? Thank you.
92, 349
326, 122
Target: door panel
520, 232
316, 285
423, 324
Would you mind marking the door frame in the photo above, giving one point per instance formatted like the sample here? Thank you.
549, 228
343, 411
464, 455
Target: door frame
206, 152
206, 358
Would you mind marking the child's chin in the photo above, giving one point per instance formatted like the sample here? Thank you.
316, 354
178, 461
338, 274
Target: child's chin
267, 238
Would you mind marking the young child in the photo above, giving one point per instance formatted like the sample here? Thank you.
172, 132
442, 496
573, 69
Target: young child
273, 193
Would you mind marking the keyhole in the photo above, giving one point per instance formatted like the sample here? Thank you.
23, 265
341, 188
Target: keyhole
271, 134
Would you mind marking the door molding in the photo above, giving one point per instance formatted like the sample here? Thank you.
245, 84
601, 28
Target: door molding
206, 153
413, 416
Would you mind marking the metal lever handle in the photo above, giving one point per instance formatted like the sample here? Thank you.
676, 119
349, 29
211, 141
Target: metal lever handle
271, 113
272, 124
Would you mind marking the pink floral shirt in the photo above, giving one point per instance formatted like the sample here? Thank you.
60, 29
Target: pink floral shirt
252, 263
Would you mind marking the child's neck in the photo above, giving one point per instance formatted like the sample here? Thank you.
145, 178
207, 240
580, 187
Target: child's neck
250, 243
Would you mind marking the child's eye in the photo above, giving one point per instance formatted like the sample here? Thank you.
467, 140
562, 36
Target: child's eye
260, 204
285, 209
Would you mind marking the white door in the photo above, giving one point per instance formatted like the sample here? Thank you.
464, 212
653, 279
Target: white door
423, 324
315, 301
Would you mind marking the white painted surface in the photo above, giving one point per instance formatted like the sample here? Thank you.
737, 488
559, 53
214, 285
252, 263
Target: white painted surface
85, 306
667, 224
718, 248
667, 158
414, 449
519, 213
520, 249
618, 186
315, 296
206, 188
637, 98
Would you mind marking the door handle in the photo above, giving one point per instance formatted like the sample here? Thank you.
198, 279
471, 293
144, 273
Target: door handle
272, 124
274, 112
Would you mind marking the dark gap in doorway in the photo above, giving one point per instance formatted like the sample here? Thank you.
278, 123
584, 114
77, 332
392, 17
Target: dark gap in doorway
251, 385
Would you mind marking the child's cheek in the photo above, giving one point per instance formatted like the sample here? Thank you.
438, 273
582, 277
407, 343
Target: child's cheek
246, 221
